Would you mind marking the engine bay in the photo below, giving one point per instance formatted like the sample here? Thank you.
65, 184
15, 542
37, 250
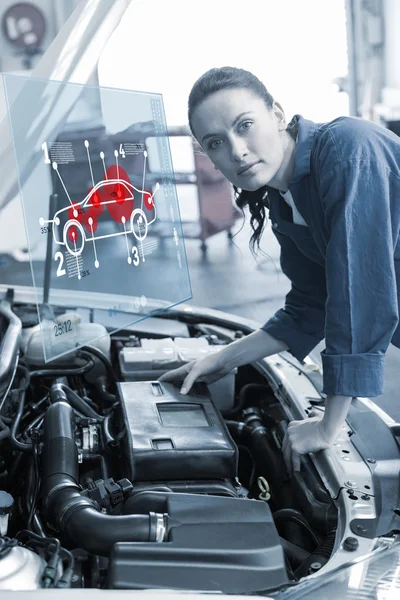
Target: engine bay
111, 479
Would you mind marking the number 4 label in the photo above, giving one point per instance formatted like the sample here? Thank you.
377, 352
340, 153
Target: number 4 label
121, 151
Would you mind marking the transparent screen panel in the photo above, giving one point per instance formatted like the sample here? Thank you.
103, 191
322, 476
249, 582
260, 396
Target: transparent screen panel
101, 225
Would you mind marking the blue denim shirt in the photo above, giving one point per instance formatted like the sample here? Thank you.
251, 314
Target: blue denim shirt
345, 266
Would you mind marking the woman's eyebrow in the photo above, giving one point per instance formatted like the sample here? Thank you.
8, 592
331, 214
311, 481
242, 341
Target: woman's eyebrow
233, 125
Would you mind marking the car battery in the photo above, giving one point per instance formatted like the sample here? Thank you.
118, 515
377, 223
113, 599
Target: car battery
174, 437
154, 357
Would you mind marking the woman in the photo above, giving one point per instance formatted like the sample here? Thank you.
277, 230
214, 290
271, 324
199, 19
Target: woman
333, 195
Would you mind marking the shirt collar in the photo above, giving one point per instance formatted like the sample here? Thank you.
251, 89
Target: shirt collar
302, 160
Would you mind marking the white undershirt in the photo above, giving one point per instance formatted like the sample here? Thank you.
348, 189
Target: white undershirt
297, 218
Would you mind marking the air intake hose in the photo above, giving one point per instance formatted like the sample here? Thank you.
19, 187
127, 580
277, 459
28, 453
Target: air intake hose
253, 432
75, 515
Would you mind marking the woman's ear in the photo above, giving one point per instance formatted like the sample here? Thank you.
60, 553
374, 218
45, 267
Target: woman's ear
279, 116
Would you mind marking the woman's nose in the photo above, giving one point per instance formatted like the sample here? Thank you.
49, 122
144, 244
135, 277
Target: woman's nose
238, 150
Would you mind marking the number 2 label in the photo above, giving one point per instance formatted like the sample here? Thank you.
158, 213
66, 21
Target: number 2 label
60, 270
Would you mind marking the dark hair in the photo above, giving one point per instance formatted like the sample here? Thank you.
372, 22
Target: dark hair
223, 78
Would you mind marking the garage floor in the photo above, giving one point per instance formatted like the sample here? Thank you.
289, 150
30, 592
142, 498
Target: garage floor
228, 278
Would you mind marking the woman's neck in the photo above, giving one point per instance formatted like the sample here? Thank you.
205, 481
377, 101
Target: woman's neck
283, 177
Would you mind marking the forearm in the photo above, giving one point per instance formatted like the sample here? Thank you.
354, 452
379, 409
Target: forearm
254, 346
336, 409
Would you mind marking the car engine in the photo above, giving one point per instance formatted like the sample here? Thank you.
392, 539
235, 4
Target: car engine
111, 479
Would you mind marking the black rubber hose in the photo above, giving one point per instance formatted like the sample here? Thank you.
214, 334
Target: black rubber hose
37, 525
237, 429
71, 513
250, 393
102, 392
101, 382
108, 437
94, 531
35, 423
16, 467
10, 343
103, 465
321, 555
4, 429
296, 555
33, 486
64, 372
266, 456
21, 446
35, 406
291, 514
26, 378
5, 433
61, 392
88, 350
149, 487
144, 501
254, 434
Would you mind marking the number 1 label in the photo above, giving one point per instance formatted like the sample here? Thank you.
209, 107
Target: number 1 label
46, 153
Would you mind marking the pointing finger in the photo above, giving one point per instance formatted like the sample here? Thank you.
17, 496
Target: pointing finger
189, 380
285, 442
174, 375
296, 461
287, 457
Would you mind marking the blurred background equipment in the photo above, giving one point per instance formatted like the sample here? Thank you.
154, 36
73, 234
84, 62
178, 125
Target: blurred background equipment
24, 26
374, 60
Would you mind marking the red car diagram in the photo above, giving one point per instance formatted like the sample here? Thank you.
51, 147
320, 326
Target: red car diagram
75, 225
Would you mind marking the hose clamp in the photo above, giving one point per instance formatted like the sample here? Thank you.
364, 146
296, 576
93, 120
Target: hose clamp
160, 527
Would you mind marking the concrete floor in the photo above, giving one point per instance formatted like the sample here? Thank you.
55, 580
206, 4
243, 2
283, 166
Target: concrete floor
228, 278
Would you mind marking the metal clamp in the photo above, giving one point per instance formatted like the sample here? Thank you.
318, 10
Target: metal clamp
264, 489
161, 528
159, 523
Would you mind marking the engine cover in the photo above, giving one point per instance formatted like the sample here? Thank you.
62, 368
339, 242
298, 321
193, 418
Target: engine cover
170, 436
215, 544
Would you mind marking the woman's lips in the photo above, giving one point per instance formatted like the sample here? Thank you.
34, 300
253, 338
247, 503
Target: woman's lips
249, 170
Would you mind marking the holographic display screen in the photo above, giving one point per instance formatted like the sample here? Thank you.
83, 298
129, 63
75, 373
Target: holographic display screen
100, 224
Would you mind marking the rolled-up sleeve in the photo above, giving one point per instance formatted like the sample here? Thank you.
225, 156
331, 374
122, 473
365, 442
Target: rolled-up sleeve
300, 323
360, 201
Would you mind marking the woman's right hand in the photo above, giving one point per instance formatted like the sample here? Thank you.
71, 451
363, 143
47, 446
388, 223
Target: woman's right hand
208, 369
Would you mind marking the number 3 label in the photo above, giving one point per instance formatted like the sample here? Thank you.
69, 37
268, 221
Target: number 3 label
135, 256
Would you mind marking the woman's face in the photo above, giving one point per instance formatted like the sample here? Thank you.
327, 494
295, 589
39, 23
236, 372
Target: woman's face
242, 137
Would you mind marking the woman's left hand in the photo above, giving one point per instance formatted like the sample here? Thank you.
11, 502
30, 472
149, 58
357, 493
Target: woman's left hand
303, 437
315, 433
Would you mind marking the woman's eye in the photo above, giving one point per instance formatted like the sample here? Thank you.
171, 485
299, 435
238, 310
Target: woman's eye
248, 123
213, 145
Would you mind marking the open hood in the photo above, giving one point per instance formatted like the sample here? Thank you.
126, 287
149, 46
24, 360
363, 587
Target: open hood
71, 57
